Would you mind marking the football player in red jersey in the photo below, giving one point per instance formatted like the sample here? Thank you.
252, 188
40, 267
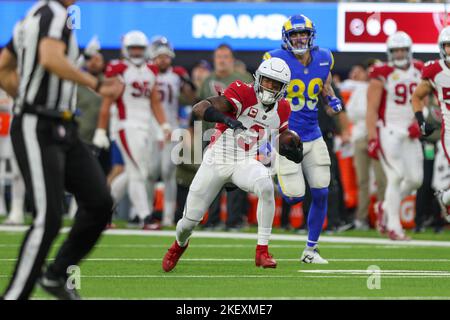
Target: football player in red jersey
136, 107
245, 115
172, 83
393, 131
436, 78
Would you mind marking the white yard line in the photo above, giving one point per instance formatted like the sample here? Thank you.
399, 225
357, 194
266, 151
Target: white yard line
253, 276
252, 236
250, 259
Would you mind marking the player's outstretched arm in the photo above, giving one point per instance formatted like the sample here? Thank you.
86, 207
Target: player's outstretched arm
213, 109
9, 78
418, 100
53, 58
374, 94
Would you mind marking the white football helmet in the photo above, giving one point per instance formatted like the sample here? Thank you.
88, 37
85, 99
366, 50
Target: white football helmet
399, 40
276, 69
135, 39
160, 45
444, 37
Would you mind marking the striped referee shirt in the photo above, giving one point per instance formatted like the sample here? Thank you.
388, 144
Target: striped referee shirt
40, 89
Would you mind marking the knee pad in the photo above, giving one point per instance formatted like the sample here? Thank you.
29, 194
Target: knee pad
290, 200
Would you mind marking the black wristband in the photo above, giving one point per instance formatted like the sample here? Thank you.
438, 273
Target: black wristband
419, 117
213, 115
99, 85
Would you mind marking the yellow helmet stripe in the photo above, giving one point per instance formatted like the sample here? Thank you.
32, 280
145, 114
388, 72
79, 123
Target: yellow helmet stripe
287, 25
308, 23
267, 56
332, 61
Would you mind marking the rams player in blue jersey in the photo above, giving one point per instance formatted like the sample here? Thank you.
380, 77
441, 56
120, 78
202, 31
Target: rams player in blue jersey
310, 78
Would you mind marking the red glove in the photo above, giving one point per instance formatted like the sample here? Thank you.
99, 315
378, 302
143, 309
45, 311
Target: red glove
372, 148
414, 130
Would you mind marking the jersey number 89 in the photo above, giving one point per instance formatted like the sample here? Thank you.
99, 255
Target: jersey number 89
296, 93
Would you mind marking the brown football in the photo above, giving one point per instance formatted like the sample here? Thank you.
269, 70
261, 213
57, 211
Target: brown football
289, 137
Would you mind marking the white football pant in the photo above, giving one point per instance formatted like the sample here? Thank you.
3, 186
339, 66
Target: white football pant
250, 176
402, 161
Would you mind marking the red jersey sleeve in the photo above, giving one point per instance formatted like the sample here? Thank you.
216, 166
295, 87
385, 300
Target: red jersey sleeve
115, 68
380, 72
284, 111
418, 64
240, 95
181, 72
153, 68
431, 69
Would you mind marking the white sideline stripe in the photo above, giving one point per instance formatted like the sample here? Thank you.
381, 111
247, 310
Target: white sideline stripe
249, 259
252, 236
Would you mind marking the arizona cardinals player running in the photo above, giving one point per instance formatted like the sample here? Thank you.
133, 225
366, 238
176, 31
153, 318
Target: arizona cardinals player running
245, 114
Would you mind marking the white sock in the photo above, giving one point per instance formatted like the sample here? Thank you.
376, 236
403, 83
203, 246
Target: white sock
119, 187
170, 195
392, 207
446, 197
265, 210
2, 188
138, 195
18, 197
184, 230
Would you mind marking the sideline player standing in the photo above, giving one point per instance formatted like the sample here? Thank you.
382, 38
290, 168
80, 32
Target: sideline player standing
392, 130
51, 156
136, 106
172, 82
310, 77
231, 155
436, 77
16, 215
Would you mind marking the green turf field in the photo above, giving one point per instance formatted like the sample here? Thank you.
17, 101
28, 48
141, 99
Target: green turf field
129, 267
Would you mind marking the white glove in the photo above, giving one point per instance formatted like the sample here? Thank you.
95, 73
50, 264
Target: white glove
100, 139
167, 130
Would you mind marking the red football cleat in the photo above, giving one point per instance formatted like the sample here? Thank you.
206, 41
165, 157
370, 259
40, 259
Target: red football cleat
263, 258
172, 256
393, 235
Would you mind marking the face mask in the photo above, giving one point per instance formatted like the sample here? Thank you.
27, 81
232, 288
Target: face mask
266, 97
400, 62
137, 61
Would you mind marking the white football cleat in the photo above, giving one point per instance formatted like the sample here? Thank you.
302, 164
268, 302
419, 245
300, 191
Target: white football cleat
311, 255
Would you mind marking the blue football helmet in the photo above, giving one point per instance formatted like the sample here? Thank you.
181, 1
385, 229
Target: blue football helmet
298, 23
